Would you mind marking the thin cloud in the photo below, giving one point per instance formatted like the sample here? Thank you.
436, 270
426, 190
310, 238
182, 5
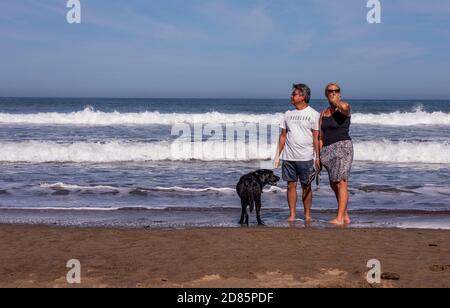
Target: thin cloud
434, 7
59, 8
140, 25
302, 42
27, 9
251, 25
387, 52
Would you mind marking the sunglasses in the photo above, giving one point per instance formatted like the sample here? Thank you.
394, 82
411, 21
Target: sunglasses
294, 94
337, 91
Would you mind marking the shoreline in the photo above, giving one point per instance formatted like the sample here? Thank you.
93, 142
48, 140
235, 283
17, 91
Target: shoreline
182, 218
36, 256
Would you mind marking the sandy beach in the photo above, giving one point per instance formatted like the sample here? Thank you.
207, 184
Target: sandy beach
36, 256
135, 136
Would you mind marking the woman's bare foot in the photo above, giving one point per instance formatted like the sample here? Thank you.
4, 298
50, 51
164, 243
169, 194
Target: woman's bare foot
292, 219
337, 222
308, 219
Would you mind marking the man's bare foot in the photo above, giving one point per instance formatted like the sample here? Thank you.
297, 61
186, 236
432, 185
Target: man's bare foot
337, 222
308, 219
292, 219
347, 219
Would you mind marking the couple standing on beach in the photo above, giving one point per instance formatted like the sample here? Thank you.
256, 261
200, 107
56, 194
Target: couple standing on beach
310, 140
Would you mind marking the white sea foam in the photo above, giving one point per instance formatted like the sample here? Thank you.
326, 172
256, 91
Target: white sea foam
225, 190
102, 188
91, 117
61, 185
418, 117
403, 152
120, 151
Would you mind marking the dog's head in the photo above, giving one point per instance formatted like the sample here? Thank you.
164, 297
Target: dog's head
267, 177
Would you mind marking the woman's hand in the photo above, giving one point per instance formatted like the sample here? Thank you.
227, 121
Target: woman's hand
343, 107
335, 101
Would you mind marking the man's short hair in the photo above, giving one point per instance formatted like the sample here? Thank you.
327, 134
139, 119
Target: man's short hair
305, 91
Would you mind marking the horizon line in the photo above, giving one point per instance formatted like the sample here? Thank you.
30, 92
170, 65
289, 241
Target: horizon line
213, 98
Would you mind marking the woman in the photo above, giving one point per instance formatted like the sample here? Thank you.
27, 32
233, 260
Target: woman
336, 148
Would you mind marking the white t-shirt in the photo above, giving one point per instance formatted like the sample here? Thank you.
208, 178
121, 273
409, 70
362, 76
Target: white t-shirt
299, 125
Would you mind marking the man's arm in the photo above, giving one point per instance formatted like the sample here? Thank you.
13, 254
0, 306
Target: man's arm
282, 141
316, 142
281, 145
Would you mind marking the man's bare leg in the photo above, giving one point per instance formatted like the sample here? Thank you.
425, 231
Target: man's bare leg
307, 198
292, 200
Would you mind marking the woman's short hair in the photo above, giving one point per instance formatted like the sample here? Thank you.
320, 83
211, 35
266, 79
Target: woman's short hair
329, 85
304, 89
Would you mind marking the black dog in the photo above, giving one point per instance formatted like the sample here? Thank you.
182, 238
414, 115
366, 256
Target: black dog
250, 188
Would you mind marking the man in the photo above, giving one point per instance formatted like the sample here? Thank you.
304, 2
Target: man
299, 149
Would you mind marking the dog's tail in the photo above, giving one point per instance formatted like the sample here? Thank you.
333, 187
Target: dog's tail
252, 201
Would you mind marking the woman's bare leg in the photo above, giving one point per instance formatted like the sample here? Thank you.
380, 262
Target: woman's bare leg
342, 193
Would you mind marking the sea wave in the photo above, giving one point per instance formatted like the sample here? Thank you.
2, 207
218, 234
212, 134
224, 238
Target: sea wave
122, 151
61, 188
403, 152
91, 117
415, 118
106, 188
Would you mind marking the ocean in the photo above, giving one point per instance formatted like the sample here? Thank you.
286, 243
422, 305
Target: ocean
175, 162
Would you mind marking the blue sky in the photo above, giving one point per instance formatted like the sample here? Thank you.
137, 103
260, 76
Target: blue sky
224, 48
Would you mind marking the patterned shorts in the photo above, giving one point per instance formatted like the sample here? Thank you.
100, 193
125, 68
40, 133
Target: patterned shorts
337, 158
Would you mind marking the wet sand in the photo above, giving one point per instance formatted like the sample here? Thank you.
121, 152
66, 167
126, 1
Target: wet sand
36, 256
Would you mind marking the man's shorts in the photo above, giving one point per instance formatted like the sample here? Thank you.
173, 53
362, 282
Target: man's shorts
294, 171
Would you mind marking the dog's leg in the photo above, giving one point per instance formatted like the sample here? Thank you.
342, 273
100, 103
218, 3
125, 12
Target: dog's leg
244, 207
258, 211
246, 217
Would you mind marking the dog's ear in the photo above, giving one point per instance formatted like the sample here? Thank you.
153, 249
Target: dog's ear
259, 172
264, 171
269, 174
261, 175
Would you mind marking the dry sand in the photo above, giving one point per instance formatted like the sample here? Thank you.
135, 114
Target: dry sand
36, 256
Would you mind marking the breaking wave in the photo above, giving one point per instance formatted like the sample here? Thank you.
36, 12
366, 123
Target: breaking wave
91, 117
121, 151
